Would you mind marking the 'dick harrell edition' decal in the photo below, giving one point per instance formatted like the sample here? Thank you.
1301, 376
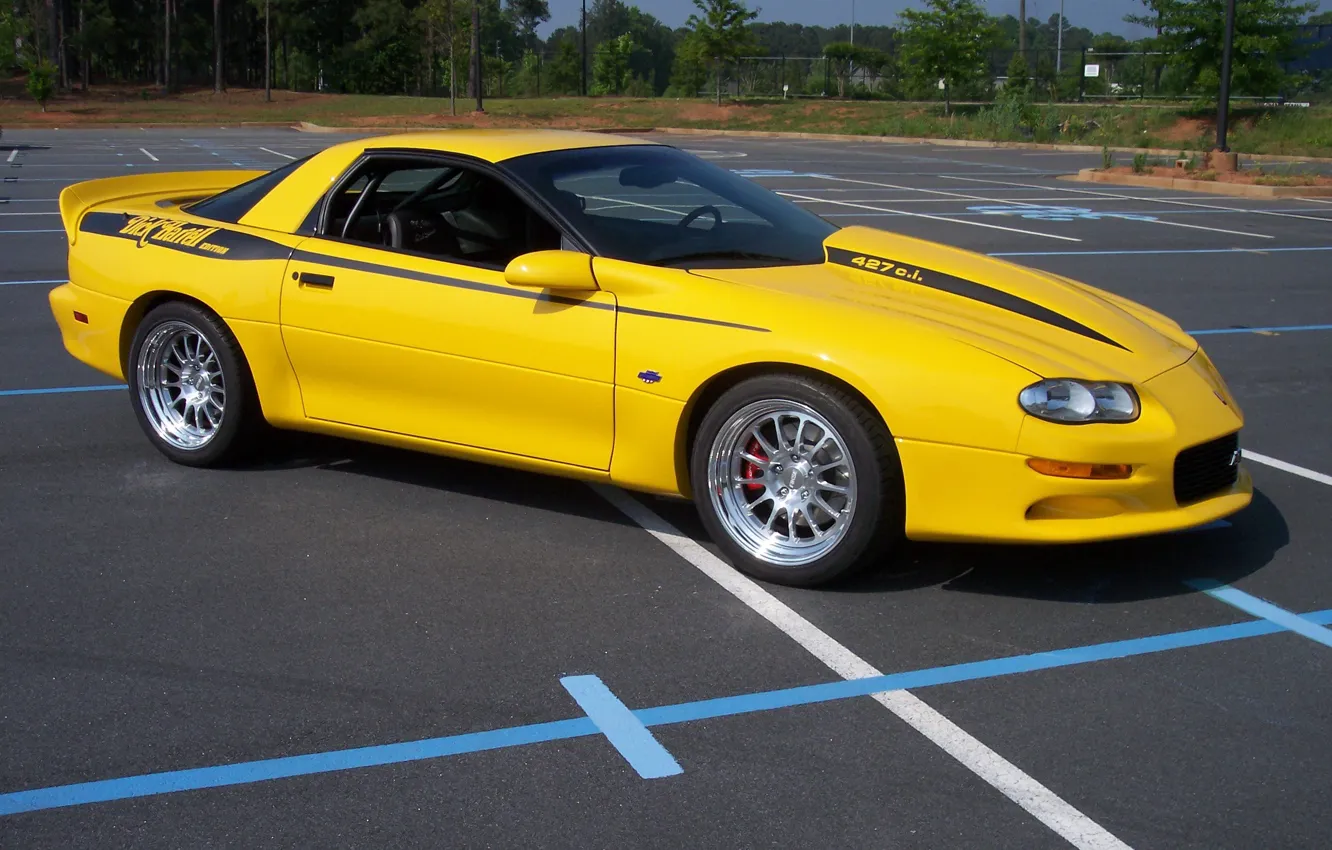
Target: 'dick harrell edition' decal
191, 237
147, 228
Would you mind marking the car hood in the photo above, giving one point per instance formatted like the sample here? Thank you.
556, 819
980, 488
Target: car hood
1051, 325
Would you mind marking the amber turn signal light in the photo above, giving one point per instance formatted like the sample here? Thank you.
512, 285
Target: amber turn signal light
1064, 469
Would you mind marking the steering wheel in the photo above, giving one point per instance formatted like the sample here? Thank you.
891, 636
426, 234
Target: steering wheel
694, 215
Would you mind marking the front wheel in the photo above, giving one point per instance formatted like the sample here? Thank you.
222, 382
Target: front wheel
191, 387
796, 480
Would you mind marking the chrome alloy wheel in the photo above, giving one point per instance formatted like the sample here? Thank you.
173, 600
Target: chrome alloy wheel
181, 388
781, 482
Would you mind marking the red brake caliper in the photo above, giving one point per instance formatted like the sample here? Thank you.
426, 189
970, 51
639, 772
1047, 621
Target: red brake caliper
751, 469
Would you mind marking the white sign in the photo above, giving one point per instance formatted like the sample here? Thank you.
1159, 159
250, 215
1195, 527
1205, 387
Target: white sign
1091, 70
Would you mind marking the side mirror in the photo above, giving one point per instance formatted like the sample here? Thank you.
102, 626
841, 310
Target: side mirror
552, 270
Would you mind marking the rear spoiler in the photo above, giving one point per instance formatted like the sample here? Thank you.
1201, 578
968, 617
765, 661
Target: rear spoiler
78, 199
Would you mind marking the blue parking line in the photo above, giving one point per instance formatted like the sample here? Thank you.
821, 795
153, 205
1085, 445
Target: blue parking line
259, 771
57, 390
1272, 329
1156, 251
1262, 608
626, 732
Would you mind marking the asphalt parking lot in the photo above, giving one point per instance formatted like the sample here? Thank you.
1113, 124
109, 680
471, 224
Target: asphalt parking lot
362, 647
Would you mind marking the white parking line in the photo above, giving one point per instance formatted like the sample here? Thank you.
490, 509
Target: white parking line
931, 217
1040, 802
12, 154
1027, 203
1120, 197
1288, 467
276, 153
150, 156
31, 213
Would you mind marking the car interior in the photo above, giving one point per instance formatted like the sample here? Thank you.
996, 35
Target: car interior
442, 211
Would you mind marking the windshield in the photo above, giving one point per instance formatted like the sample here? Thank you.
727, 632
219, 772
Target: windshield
658, 205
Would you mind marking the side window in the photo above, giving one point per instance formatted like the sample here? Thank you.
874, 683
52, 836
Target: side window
449, 212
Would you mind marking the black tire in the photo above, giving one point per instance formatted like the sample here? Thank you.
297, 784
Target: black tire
877, 523
235, 435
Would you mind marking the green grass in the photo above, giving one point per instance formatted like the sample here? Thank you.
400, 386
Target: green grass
1297, 132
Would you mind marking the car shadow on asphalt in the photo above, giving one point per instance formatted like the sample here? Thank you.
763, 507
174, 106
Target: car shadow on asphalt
1110, 572
293, 450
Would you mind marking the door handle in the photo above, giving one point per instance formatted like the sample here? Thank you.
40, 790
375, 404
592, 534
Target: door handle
321, 281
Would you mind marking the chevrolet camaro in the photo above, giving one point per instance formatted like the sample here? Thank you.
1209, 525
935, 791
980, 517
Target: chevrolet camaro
621, 311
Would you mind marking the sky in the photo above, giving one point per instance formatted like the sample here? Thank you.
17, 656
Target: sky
1095, 15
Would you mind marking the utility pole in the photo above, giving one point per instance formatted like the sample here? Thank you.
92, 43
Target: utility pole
1022, 28
268, 54
218, 83
853, 22
1223, 107
583, 26
166, 47
477, 62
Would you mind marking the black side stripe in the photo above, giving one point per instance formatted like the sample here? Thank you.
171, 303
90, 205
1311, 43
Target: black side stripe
208, 240
966, 289
475, 286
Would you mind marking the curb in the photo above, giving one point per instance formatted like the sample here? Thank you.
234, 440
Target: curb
1239, 190
970, 143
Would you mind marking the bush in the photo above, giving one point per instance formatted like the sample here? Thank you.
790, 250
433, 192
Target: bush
41, 82
1107, 158
1139, 163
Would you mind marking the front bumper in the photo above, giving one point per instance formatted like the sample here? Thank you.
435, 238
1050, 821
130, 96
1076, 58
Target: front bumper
960, 493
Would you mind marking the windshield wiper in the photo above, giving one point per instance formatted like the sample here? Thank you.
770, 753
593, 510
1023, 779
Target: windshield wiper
726, 255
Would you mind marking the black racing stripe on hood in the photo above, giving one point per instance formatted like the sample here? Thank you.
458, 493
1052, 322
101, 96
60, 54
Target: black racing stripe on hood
202, 240
964, 288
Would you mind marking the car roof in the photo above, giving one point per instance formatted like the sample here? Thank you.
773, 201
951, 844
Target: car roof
498, 145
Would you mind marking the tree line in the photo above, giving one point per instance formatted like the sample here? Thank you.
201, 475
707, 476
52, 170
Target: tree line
436, 46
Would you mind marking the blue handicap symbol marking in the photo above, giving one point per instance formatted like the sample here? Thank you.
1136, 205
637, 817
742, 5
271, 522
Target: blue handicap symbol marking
1055, 213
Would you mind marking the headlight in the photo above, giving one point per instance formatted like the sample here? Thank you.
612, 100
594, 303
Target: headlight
1070, 401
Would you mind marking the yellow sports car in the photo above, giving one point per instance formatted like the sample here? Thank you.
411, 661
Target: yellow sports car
620, 311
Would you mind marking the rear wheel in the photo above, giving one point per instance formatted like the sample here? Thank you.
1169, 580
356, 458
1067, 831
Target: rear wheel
796, 480
190, 386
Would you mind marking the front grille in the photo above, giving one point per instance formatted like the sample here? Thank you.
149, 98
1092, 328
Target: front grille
1203, 470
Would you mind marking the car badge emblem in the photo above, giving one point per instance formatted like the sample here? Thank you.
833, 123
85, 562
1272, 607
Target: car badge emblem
649, 376
1221, 398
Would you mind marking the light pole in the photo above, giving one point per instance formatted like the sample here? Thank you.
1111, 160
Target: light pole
584, 27
1059, 42
853, 21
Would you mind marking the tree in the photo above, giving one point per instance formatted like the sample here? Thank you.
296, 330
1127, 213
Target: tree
611, 73
1192, 34
41, 81
527, 15
565, 74
949, 41
1019, 74
689, 72
845, 59
722, 33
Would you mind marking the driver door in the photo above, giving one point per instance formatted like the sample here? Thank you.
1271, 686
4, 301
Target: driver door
397, 318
